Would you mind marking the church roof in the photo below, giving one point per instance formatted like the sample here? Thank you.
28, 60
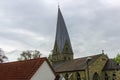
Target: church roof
80, 64
111, 65
61, 32
20, 70
75, 65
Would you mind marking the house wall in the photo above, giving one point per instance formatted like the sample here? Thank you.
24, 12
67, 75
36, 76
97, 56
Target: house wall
44, 73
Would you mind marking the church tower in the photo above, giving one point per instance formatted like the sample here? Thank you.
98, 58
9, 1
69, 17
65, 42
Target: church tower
62, 50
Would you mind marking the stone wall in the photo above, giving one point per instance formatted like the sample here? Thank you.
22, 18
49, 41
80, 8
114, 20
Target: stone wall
65, 55
97, 67
73, 75
111, 74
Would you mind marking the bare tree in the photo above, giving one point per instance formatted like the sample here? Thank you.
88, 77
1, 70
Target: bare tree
29, 54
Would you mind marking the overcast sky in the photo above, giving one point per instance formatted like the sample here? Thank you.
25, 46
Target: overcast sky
93, 25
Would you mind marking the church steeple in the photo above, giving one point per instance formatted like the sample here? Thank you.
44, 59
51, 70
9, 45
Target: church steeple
61, 33
62, 48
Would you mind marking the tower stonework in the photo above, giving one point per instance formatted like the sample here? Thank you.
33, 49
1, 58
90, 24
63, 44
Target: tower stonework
62, 50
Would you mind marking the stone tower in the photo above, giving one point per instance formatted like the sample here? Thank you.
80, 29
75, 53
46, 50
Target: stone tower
62, 50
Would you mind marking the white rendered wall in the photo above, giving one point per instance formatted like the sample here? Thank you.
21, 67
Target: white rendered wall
44, 73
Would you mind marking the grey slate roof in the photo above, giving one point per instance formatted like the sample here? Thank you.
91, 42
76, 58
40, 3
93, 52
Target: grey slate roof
111, 65
80, 64
61, 32
74, 65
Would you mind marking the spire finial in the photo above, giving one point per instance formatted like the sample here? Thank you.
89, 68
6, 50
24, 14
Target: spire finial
102, 51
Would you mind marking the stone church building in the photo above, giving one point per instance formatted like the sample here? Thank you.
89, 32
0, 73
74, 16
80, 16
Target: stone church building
95, 67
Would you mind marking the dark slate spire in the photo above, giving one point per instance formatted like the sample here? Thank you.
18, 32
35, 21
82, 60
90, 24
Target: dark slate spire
62, 35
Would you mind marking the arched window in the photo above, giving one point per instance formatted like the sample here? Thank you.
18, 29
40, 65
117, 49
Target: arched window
56, 49
65, 58
114, 76
78, 76
106, 76
66, 76
96, 76
66, 49
68, 58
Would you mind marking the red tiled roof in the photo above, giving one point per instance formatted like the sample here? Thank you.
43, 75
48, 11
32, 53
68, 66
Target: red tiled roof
20, 70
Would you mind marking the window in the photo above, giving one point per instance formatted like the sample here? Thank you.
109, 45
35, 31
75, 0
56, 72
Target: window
106, 76
66, 49
69, 58
78, 76
114, 76
96, 76
65, 58
56, 49
66, 76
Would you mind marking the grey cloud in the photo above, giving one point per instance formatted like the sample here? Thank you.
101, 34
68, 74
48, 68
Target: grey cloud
92, 25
